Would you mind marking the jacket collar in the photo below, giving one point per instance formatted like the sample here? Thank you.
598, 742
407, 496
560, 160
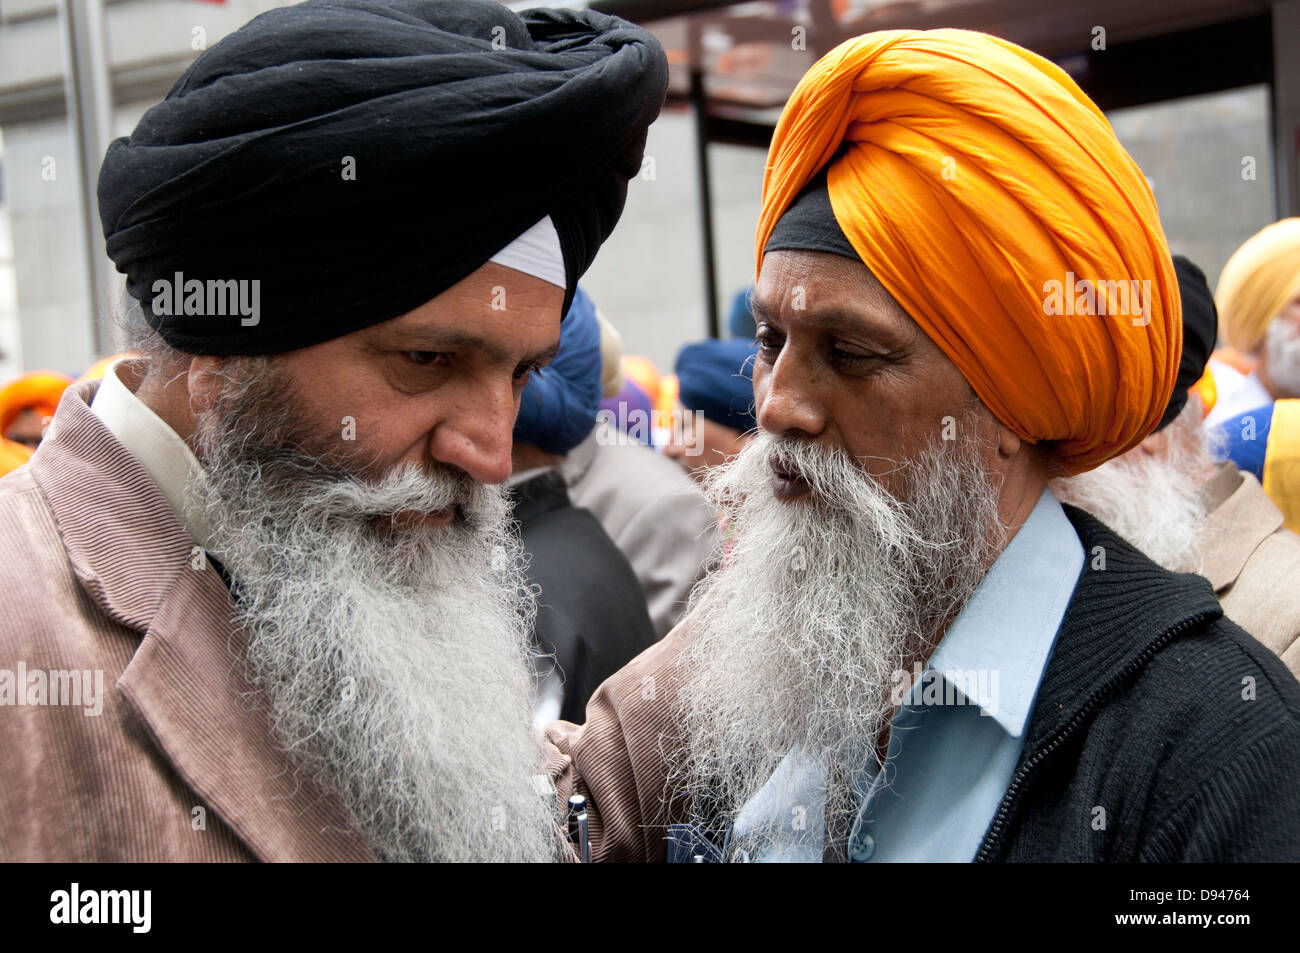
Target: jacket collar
579, 460
129, 550
541, 494
1241, 518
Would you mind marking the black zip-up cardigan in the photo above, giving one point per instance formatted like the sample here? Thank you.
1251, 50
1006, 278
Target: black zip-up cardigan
1162, 731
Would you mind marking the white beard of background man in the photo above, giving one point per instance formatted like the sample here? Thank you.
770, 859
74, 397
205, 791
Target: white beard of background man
1153, 495
1172, 497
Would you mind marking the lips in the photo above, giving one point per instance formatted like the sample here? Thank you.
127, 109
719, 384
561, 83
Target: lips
786, 484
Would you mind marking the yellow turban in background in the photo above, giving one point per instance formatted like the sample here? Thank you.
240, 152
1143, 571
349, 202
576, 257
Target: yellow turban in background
611, 357
974, 175
1258, 281
1282, 461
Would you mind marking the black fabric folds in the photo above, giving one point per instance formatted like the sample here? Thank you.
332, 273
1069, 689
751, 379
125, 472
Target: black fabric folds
1200, 325
358, 158
809, 224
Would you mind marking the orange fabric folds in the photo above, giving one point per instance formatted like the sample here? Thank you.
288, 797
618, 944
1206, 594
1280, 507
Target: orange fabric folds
991, 198
36, 390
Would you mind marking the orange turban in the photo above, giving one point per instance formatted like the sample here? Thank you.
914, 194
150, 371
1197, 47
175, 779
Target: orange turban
36, 390
978, 184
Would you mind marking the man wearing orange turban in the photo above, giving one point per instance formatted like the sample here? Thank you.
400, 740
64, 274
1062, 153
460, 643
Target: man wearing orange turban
911, 650
26, 405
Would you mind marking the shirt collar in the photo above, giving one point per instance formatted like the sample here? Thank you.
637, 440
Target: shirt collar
158, 448
1003, 637
523, 476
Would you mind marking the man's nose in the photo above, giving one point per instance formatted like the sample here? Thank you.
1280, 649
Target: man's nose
784, 401
478, 439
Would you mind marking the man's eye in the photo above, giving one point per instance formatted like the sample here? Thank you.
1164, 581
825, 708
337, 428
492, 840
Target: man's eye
424, 358
767, 341
523, 372
849, 357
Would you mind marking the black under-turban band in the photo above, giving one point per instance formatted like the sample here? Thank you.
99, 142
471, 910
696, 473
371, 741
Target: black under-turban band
358, 158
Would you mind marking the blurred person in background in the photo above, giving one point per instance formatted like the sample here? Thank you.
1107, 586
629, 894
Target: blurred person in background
1172, 498
591, 611
740, 320
1258, 296
653, 511
715, 404
1265, 443
26, 405
276, 537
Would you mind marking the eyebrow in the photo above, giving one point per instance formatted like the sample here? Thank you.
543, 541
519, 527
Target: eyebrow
441, 339
841, 322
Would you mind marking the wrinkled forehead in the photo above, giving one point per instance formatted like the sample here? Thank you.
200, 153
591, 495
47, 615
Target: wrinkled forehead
827, 291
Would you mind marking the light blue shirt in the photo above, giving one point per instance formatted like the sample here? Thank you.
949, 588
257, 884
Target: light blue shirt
957, 736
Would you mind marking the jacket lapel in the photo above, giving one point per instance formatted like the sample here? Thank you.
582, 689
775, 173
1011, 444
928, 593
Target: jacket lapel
1235, 528
186, 681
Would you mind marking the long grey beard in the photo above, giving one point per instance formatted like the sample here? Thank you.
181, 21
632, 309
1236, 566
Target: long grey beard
395, 661
799, 637
1154, 501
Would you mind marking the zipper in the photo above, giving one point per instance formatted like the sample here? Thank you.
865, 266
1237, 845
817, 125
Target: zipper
1004, 809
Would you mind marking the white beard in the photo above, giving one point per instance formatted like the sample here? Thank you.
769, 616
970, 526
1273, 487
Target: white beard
1153, 500
396, 662
798, 638
1283, 346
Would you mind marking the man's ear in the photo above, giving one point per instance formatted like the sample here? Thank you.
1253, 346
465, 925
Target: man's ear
1009, 443
203, 381
1037, 458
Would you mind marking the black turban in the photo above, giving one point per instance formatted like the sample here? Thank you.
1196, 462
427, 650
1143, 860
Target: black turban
1200, 325
358, 158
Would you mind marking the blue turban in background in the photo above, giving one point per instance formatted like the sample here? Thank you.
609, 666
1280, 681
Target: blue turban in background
1244, 440
559, 404
716, 378
740, 323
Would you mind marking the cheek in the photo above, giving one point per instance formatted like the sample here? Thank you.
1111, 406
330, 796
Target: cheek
888, 427
396, 434
367, 425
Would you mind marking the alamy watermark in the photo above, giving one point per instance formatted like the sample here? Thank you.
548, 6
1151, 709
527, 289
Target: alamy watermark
215, 298
77, 688
633, 425
972, 686
75, 905
1081, 296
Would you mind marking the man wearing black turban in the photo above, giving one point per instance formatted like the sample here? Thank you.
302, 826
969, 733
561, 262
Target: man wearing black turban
1189, 511
272, 542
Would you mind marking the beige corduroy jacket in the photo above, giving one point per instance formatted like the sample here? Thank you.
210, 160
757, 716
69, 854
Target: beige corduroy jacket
1253, 562
97, 575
